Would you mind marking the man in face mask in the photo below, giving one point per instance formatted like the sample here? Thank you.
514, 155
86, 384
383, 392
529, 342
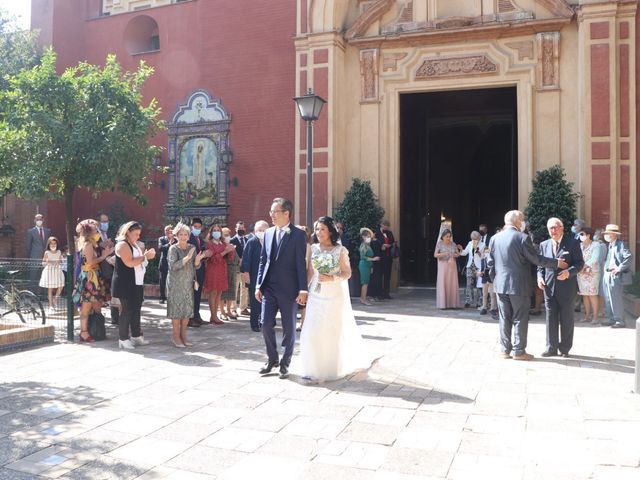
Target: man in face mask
511, 254
36, 245
249, 270
103, 228
198, 243
616, 274
578, 225
240, 240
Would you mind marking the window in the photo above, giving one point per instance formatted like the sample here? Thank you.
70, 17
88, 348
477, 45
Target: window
142, 35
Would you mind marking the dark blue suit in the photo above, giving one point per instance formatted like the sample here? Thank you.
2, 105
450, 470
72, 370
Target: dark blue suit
282, 275
560, 295
197, 295
251, 264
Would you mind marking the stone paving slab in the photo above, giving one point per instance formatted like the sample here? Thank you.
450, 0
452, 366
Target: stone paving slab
437, 403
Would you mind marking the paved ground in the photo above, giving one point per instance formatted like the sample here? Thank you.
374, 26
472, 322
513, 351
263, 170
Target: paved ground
437, 404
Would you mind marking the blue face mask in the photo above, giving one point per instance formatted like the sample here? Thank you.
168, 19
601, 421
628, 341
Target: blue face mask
104, 226
196, 231
216, 235
574, 230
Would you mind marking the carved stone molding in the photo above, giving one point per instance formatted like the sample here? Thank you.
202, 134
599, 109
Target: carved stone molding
559, 8
548, 68
524, 49
456, 67
366, 18
390, 61
369, 75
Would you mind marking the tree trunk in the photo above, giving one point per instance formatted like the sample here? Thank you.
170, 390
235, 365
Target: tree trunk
69, 226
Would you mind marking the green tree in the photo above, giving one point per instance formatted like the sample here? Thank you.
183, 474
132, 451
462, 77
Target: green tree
18, 48
552, 195
83, 129
359, 208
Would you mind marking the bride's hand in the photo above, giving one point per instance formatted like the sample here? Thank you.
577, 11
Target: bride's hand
326, 278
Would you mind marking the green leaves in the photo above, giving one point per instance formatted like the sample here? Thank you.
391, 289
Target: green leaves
551, 196
86, 128
359, 208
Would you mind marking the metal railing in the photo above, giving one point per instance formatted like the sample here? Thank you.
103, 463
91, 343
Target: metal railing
24, 274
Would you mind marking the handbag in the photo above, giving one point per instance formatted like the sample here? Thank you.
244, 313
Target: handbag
96, 326
395, 251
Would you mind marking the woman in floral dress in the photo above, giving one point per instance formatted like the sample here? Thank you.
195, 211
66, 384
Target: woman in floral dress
90, 292
590, 276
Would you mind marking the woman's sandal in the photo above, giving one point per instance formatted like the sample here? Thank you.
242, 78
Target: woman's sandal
87, 339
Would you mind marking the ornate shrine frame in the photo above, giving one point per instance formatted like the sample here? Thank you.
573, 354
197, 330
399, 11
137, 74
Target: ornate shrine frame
200, 117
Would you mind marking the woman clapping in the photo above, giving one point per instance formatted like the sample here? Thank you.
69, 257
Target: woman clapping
182, 263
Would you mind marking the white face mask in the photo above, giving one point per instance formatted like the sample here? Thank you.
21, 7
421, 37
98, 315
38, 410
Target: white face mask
367, 240
523, 227
607, 238
227, 239
260, 235
39, 223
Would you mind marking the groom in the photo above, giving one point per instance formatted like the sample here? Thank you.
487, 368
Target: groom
282, 283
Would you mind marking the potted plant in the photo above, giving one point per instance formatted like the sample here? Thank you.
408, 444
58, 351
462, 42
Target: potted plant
359, 208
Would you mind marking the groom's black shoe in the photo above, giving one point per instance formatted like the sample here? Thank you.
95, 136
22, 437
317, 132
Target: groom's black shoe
268, 367
284, 372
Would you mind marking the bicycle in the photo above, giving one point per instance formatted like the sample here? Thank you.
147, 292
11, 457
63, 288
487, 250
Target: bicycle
23, 302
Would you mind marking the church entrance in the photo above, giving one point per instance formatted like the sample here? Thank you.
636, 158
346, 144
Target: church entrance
458, 161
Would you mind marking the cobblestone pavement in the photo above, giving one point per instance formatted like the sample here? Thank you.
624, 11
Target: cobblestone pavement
438, 403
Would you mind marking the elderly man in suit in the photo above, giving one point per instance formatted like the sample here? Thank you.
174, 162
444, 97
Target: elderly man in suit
511, 254
36, 245
249, 270
617, 272
560, 287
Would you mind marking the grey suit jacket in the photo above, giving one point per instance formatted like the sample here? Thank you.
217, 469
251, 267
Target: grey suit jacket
622, 257
35, 245
511, 254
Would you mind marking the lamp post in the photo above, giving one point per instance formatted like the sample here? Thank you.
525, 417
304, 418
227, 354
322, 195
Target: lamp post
309, 107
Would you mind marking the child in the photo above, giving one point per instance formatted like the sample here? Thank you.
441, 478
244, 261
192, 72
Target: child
52, 276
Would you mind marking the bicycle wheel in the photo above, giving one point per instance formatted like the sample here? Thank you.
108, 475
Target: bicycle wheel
30, 309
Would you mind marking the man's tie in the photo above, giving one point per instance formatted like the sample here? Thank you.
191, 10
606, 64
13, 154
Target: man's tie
42, 234
555, 249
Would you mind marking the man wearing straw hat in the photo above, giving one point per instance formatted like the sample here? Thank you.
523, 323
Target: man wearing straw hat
617, 272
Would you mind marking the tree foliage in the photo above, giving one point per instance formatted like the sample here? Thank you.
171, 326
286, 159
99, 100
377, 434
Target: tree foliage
359, 208
18, 48
552, 195
84, 128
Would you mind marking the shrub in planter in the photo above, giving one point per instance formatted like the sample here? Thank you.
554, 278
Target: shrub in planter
551, 196
359, 208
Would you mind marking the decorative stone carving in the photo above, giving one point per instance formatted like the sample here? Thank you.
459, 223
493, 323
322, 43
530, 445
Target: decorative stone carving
524, 49
369, 75
390, 61
506, 6
548, 68
456, 66
367, 17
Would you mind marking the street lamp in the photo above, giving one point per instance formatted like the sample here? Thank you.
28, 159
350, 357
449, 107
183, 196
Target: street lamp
309, 107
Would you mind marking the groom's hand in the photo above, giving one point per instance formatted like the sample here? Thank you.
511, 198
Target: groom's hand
259, 295
302, 299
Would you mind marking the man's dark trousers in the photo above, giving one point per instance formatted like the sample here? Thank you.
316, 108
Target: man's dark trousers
514, 317
559, 313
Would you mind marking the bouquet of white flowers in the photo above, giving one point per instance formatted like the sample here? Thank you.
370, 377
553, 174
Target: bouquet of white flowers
325, 264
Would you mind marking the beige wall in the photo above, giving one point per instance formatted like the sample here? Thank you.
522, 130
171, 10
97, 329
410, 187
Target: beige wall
551, 110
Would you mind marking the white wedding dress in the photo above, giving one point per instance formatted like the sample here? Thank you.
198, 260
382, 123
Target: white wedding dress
330, 345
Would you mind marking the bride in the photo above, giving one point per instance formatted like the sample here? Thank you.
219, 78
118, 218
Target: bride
330, 345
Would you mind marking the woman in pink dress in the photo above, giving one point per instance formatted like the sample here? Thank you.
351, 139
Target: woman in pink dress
215, 273
447, 288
